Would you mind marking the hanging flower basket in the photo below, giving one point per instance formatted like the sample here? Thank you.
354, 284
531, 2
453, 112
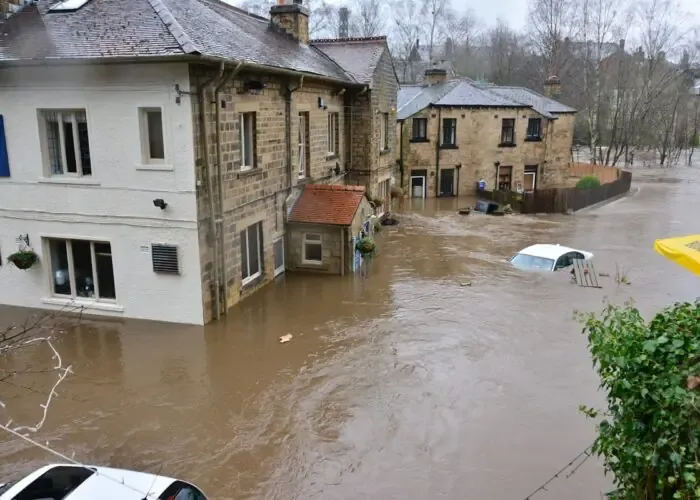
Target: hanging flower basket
366, 246
24, 259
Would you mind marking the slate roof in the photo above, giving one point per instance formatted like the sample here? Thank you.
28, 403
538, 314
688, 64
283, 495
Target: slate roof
358, 56
467, 93
164, 28
330, 204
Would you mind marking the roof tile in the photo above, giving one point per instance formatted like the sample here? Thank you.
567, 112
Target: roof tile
331, 204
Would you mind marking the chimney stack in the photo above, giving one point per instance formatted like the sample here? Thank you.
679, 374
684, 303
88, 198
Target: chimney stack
291, 18
552, 87
344, 22
435, 76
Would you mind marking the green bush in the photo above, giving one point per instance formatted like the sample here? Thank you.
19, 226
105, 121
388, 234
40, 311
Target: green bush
649, 437
588, 182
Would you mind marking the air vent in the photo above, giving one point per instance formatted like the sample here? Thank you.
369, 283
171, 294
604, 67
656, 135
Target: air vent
165, 259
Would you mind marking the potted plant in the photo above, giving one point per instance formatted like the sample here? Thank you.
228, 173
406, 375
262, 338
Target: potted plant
366, 246
23, 259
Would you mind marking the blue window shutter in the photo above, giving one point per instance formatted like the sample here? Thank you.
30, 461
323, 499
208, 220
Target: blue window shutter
4, 161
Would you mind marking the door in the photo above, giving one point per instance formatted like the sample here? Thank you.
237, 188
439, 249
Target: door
278, 254
447, 182
417, 186
530, 179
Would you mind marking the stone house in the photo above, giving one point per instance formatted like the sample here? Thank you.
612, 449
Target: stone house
453, 133
152, 164
324, 225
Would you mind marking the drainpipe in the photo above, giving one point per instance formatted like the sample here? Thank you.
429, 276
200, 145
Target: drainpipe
204, 137
342, 251
437, 154
288, 130
220, 217
401, 146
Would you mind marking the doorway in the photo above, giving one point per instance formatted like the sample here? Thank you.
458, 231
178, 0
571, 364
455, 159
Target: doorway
530, 178
447, 182
418, 183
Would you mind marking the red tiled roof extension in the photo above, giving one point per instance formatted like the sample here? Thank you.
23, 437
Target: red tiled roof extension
331, 204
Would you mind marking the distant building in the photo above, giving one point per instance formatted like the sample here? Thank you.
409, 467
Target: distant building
452, 133
151, 150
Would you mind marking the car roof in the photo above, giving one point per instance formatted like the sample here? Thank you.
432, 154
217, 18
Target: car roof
106, 484
550, 251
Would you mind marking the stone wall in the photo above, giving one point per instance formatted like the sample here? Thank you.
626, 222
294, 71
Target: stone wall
477, 150
370, 165
259, 194
331, 241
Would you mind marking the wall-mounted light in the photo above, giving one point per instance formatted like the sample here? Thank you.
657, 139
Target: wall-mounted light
160, 203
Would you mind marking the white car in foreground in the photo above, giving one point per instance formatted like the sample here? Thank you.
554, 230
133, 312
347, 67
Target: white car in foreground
76, 482
546, 257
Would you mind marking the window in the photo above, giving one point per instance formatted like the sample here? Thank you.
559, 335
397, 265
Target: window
333, 140
152, 140
4, 160
384, 132
251, 252
67, 142
449, 131
247, 140
420, 129
530, 179
534, 129
505, 178
313, 249
508, 132
81, 268
303, 169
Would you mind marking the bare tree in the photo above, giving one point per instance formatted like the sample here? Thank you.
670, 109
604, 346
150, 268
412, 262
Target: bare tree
552, 23
368, 17
16, 340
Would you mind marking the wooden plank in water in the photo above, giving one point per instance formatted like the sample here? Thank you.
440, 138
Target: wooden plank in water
585, 273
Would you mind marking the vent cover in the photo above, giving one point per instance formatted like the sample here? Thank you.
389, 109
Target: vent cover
165, 259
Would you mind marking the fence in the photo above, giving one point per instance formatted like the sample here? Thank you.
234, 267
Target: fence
560, 200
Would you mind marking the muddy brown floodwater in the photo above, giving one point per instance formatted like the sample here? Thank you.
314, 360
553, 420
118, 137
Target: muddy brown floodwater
398, 383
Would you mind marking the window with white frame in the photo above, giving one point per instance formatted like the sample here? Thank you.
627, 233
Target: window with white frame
251, 252
333, 140
152, 137
313, 249
384, 132
303, 169
81, 268
66, 142
247, 140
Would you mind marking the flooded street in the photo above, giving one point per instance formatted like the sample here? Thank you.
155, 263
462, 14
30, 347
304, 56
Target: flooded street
399, 383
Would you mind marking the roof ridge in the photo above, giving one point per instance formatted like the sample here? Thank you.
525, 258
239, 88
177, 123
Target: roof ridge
176, 30
381, 38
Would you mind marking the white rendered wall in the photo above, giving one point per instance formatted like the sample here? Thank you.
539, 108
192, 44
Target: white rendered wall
115, 204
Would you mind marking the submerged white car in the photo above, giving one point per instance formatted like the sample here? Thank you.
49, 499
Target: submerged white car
546, 257
75, 482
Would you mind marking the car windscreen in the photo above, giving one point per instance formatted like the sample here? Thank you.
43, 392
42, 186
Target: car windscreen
525, 261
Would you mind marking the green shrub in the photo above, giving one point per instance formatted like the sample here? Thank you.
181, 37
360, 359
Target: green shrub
588, 182
649, 436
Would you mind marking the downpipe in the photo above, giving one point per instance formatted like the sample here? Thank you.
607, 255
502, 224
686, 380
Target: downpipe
204, 133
